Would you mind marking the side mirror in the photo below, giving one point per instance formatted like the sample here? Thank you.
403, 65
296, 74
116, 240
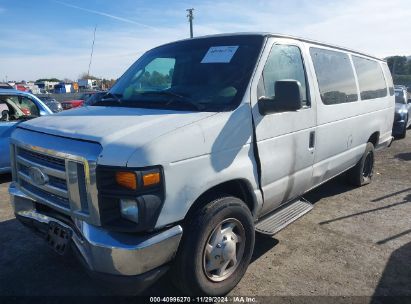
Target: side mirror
287, 98
42, 113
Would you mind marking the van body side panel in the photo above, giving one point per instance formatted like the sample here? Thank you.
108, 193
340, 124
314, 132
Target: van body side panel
344, 129
283, 142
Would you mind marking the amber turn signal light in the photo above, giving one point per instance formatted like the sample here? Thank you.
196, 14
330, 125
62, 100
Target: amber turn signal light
151, 179
127, 179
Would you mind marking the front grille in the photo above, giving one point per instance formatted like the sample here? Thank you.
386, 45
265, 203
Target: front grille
54, 162
44, 195
53, 181
64, 186
54, 191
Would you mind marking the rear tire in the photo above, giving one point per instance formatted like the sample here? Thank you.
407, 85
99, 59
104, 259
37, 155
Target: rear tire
362, 173
216, 248
404, 131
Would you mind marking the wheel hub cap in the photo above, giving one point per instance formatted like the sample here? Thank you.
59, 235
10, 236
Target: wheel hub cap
224, 250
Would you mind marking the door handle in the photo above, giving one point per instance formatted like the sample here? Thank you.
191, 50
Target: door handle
311, 143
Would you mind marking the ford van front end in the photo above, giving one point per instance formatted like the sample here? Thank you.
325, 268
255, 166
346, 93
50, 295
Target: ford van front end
56, 192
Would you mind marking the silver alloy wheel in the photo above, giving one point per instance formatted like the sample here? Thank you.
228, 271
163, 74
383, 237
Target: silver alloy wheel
224, 250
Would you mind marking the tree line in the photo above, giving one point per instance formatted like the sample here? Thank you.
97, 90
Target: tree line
400, 67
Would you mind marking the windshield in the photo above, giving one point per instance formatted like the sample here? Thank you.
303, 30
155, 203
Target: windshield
400, 96
207, 74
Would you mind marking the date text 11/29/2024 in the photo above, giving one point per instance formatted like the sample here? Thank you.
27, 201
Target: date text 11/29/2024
238, 299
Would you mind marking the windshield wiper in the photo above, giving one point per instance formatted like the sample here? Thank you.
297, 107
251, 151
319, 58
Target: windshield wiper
198, 107
181, 99
109, 98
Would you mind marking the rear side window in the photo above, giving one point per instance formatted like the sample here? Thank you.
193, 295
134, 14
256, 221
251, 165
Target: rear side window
284, 62
335, 76
370, 78
388, 77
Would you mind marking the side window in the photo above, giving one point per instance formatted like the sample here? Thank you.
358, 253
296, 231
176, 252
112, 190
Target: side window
157, 75
370, 78
388, 77
28, 107
335, 76
284, 62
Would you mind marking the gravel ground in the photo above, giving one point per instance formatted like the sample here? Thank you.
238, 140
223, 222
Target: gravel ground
355, 242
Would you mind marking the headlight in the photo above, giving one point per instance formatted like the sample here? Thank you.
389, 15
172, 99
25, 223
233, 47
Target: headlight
130, 199
129, 209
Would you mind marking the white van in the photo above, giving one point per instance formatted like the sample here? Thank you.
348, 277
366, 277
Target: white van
199, 144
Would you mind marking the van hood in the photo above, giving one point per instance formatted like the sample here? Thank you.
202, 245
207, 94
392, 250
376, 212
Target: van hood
119, 130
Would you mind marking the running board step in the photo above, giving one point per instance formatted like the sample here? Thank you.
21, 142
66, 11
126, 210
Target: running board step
283, 216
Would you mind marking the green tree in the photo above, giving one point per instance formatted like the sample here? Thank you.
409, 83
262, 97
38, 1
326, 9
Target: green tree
86, 76
397, 64
408, 67
48, 79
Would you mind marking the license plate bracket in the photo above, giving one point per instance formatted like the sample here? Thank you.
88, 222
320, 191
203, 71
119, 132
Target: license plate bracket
58, 237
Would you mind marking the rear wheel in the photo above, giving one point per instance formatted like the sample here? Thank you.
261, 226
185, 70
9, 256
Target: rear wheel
404, 131
363, 171
216, 249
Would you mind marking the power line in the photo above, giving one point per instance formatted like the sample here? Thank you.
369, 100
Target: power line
92, 50
190, 17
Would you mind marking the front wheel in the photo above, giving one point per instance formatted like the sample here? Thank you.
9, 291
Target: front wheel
216, 249
363, 171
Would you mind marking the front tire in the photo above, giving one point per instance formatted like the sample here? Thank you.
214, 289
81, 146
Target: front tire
216, 249
362, 173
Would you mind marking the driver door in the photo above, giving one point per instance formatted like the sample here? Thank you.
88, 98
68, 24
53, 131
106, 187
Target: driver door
285, 140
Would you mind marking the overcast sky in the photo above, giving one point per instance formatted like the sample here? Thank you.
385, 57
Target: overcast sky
51, 38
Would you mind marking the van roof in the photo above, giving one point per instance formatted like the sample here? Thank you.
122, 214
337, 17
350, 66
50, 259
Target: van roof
267, 34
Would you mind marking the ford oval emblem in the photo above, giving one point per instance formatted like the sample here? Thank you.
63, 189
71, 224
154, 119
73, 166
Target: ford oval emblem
37, 176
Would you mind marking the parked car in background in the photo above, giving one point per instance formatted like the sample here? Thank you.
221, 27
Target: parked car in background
70, 104
400, 87
4, 85
22, 88
402, 118
52, 103
43, 91
16, 107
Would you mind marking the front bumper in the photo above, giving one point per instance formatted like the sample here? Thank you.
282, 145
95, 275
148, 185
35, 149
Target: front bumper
102, 251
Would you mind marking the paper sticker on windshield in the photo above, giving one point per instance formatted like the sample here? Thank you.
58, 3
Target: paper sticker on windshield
397, 93
219, 54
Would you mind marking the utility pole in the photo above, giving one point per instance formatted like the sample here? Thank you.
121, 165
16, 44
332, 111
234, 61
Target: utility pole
92, 49
190, 19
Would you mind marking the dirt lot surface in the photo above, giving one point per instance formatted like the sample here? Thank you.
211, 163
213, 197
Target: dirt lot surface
355, 242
